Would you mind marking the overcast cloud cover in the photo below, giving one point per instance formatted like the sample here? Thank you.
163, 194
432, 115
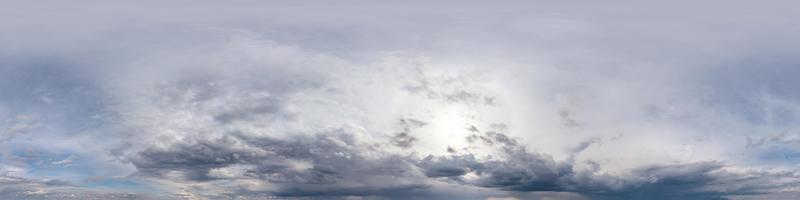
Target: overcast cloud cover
399, 100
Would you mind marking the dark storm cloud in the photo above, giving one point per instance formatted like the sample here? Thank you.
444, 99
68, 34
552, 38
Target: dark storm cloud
520, 170
673, 181
452, 167
527, 171
334, 165
194, 158
704, 180
337, 165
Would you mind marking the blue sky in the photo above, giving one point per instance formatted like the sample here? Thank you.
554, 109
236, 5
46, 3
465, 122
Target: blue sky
399, 100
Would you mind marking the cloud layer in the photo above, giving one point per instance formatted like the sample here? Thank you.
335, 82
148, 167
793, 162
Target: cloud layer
389, 100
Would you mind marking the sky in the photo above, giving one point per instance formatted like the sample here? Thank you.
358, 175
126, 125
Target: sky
494, 100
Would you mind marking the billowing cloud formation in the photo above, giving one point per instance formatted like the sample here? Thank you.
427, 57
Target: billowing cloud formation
414, 100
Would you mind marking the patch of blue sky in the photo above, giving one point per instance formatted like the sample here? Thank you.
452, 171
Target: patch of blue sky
121, 184
779, 155
42, 163
70, 166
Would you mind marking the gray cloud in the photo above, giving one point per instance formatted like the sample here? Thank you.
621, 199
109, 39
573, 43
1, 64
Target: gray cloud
12, 187
527, 171
404, 138
326, 164
337, 164
447, 100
